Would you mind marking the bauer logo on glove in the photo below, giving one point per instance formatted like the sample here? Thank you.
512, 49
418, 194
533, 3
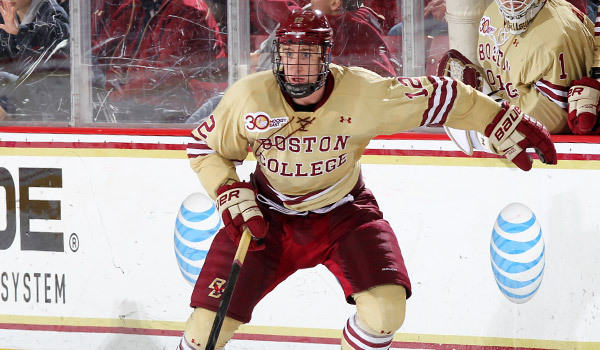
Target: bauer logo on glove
513, 132
507, 123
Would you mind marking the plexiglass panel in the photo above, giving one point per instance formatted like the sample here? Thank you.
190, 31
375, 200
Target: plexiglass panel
167, 62
34, 61
154, 61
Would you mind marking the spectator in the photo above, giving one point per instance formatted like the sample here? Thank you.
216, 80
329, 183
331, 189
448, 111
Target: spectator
265, 14
434, 20
388, 9
218, 8
358, 36
33, 48
160, 59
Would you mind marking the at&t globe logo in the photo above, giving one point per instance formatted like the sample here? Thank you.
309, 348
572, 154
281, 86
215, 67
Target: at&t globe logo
197, 223
517, 253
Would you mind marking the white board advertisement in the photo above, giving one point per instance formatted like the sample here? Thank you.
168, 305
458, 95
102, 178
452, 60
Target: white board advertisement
88, 248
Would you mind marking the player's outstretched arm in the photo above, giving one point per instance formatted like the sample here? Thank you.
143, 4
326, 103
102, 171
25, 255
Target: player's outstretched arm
511, 132
584, 102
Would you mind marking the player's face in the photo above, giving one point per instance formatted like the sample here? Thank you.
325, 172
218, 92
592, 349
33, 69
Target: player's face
301, 63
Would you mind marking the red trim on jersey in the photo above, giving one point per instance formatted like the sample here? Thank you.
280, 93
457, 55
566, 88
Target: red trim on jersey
196, 137
442, 102
555, 86
329, 85
442, 109
453, 85
199, 146
544, 87
431, 101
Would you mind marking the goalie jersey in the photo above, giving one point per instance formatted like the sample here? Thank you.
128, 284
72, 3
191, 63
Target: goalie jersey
312, 159
534, 70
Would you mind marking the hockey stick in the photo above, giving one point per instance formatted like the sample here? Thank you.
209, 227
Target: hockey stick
236, 267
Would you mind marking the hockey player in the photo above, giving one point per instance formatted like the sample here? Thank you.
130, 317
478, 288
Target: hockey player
308, 123
531, 51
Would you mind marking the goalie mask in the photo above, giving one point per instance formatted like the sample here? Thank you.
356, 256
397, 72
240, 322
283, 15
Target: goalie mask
518, 14
302, 52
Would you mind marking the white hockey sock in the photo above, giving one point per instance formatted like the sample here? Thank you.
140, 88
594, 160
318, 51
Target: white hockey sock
361, 340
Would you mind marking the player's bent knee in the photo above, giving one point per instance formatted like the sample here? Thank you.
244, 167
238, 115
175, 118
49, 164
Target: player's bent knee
381, 309
198, 326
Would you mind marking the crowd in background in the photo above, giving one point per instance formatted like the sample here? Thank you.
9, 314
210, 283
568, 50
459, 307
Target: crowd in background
159, 61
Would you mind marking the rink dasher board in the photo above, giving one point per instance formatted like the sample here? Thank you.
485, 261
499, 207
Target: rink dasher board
120, 194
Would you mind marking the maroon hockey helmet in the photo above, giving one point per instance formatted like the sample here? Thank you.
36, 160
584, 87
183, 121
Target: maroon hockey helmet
306, 28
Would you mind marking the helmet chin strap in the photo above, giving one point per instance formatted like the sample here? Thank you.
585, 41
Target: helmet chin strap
301, 90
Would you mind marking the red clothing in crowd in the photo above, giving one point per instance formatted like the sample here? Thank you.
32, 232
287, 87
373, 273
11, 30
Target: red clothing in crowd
152, 52
266, 14
358, 41
389, 10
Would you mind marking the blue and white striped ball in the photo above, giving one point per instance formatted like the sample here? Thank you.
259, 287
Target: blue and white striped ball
197, 223
517, 253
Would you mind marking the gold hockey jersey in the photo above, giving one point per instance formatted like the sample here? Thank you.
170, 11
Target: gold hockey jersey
597, 40
312, 159
534, 70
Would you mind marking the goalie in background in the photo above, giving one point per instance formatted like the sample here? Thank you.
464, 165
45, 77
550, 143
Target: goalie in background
531, 51
307, 122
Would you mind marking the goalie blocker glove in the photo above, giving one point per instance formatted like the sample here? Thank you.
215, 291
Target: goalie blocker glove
237, 204
584, 98
512, 132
